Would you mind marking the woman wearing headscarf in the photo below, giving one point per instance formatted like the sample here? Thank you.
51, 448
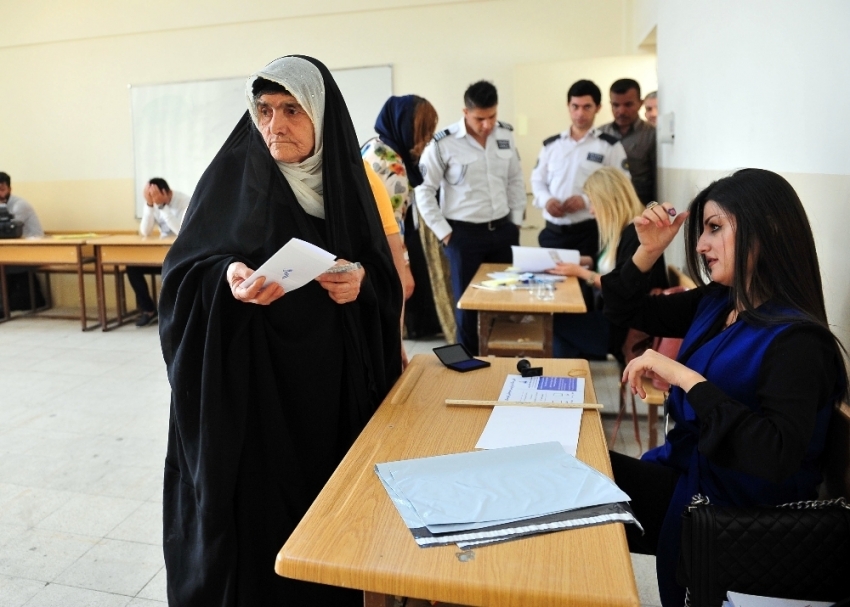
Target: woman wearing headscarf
404, 126
269, 389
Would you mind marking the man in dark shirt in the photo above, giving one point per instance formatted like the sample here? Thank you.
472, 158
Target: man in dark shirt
636, 135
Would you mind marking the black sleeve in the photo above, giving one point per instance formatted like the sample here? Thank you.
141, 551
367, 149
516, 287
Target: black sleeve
629, 243
797, 377
627, 303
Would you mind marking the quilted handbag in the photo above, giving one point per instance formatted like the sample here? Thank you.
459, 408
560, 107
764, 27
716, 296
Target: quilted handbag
794, 551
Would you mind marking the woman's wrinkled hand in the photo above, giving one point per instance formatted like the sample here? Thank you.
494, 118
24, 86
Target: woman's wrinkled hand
658, 225
257, 293
669, 370
343, 287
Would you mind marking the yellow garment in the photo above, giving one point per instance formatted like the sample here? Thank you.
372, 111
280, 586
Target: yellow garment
382, 197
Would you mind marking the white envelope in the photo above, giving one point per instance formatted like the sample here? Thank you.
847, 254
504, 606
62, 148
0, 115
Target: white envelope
294, 265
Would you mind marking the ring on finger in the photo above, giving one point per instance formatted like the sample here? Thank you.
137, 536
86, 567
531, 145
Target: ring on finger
652, 205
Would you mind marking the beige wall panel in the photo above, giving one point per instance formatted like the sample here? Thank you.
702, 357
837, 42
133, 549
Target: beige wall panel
73, 20
96, 205
65, 113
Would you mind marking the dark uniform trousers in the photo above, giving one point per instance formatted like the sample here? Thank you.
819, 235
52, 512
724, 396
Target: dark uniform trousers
583, 236
136, 275
471, 245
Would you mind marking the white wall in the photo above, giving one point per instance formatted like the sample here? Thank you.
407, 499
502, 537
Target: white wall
64, 114
763, 83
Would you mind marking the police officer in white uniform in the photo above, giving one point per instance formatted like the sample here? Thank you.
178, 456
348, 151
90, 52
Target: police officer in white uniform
475, 167
564, 164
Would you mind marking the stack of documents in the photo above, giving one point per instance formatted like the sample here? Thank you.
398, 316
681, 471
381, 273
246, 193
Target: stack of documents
739, 599
514, 280
485, 497
537, 259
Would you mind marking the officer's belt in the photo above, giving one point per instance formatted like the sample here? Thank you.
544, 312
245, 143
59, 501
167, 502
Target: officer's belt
487, 225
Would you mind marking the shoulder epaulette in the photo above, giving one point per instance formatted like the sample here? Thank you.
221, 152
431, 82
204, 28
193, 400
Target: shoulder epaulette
505, 125
608, 138
551, 139
441, 134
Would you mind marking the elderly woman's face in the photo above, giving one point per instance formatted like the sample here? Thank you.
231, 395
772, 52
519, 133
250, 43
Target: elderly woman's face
286, 127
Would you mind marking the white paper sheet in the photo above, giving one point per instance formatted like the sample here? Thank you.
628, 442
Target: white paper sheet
543, 389
513, 426
538, 259
294, 265
739, 599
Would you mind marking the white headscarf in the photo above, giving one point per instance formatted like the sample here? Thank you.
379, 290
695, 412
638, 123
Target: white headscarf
304, 81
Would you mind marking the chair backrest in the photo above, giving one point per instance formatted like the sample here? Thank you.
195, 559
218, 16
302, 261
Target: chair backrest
836, 455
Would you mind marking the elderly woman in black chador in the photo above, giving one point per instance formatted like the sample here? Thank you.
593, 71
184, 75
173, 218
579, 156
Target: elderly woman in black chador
269, 388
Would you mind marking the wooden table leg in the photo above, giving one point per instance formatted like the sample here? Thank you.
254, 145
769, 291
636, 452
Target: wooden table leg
376, 599
548, 335
4, 294
485, 326
101, 294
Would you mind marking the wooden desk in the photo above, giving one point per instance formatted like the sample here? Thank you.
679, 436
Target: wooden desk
353, 536
492, 304
71, 252
126, 250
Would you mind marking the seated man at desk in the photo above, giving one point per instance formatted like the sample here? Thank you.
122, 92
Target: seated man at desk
16, 276
166, 208
20, 208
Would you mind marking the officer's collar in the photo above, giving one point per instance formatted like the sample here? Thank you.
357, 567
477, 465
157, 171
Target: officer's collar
568, 134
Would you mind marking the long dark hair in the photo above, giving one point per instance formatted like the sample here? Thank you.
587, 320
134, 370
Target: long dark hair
775, 256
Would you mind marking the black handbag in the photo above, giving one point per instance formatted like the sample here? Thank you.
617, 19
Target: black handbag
794, 551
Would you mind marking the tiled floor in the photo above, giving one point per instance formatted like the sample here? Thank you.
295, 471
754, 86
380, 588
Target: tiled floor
83, 422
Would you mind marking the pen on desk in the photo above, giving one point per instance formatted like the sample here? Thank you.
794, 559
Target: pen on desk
491, 403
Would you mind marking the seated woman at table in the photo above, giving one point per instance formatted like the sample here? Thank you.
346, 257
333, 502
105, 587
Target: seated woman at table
758, 371
614, 203
269, 389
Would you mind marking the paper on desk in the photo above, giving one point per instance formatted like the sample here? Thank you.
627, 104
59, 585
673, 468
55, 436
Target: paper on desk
512, 426
537, 259
543, 389
498, 484
294, 265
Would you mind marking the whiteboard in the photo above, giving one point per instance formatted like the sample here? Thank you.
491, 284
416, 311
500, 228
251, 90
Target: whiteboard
179, 127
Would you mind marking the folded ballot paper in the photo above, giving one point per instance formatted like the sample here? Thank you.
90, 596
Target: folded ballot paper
294, 265
486, 497
537, 259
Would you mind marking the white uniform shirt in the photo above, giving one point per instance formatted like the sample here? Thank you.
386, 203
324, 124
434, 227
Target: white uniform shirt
23, 212
477, 184
564, 164
168, 218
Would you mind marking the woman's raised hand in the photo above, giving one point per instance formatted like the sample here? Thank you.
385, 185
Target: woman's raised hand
237, 272
658, 225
